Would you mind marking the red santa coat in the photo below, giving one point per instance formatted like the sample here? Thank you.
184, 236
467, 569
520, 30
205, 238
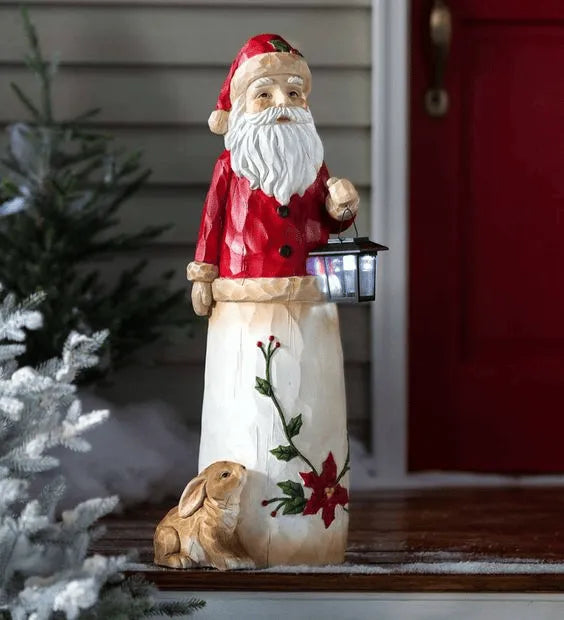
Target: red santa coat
248, 234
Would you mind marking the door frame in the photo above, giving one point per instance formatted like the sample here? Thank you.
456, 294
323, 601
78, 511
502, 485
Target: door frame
390, 225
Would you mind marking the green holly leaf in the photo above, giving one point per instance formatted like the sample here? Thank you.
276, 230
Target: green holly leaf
284, 453
291, 488
263, 387
294, 506
294, 425
280, 46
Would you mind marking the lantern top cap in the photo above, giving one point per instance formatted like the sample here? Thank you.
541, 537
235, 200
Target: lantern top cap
356, 245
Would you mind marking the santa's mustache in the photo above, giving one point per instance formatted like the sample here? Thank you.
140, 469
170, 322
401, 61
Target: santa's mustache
271, 115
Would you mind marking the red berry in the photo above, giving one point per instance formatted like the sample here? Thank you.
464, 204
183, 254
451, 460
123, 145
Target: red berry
273, 513
259, 344
277, 345
271, 338
264, 502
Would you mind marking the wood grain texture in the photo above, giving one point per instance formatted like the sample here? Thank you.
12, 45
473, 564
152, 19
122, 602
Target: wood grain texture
393, 529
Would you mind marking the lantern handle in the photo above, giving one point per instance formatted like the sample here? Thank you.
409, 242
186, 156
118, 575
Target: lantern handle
342, 222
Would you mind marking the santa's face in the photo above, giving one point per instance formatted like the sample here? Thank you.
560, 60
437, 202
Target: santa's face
272, 137
276, 90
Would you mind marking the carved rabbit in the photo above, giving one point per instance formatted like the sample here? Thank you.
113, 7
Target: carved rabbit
200, 531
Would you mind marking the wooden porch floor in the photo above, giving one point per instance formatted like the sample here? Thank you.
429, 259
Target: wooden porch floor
441, 540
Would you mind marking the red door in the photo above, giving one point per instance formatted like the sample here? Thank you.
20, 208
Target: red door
486, 312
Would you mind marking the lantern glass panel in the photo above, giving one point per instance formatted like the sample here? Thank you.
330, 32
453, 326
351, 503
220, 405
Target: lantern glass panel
350, 276
335, 276
315, 266
367, 279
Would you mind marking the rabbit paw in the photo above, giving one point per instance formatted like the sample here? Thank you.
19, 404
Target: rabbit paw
239, 563
177, 560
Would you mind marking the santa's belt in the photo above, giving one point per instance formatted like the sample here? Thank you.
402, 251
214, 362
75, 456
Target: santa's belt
304, 289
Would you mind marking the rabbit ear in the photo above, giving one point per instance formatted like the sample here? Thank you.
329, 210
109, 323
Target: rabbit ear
192, 497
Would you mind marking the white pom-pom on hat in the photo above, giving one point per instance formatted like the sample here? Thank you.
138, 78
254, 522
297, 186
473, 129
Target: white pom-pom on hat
219, 121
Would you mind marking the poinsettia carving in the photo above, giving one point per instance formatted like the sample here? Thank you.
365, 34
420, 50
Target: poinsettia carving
327, 493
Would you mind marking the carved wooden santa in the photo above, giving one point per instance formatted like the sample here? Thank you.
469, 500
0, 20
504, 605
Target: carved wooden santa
274, 395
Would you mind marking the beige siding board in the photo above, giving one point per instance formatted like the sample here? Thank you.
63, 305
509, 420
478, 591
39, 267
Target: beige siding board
207, 3
171, 35
182, 208
178, 96
188, 155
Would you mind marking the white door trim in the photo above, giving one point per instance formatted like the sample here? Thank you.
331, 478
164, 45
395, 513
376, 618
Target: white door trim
389, 225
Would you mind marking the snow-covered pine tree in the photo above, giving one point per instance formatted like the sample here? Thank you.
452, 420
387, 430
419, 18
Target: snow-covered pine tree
45, 572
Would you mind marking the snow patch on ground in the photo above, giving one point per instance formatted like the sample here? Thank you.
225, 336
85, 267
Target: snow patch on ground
490, 566
143, 452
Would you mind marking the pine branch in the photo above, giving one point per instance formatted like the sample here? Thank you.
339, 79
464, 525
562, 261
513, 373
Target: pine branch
39, 66
85, 116
26, 101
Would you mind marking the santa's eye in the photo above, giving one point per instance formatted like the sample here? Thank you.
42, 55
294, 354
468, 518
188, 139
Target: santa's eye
225, 474
264, 95
294, 93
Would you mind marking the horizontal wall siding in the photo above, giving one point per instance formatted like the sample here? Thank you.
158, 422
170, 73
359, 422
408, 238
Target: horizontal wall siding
183, 205
340, 97
155, 68
204, 35
180, 155
199, 3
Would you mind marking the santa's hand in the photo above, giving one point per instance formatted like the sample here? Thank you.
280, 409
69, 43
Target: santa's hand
342, 200
202, 275
202, 298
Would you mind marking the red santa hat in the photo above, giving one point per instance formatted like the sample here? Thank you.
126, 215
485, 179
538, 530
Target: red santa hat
262, 55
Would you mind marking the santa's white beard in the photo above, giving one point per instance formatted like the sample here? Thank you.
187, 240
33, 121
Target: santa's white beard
282, 159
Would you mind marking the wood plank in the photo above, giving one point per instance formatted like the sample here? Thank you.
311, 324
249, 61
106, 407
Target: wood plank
353, 582
152, 95
181, 35
188, 155
181, 207
178, 156
447, 555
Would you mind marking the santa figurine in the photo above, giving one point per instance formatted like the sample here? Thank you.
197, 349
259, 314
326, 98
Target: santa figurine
274, 397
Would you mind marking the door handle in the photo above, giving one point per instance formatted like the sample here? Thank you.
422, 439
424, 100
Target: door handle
440, 30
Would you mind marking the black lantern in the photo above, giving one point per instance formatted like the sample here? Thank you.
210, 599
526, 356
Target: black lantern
346, 268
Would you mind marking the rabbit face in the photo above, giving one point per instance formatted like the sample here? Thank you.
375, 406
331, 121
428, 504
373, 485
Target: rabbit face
225, 480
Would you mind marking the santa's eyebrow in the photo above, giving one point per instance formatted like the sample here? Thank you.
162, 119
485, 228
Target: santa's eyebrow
263, 81
295, 79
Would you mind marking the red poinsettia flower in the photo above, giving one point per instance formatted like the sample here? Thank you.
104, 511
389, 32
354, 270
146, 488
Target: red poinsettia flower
327, 492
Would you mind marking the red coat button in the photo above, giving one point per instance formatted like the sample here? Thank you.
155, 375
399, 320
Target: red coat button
283, 211
285, 251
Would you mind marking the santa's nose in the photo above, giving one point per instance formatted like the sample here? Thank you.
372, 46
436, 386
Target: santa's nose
281, 99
